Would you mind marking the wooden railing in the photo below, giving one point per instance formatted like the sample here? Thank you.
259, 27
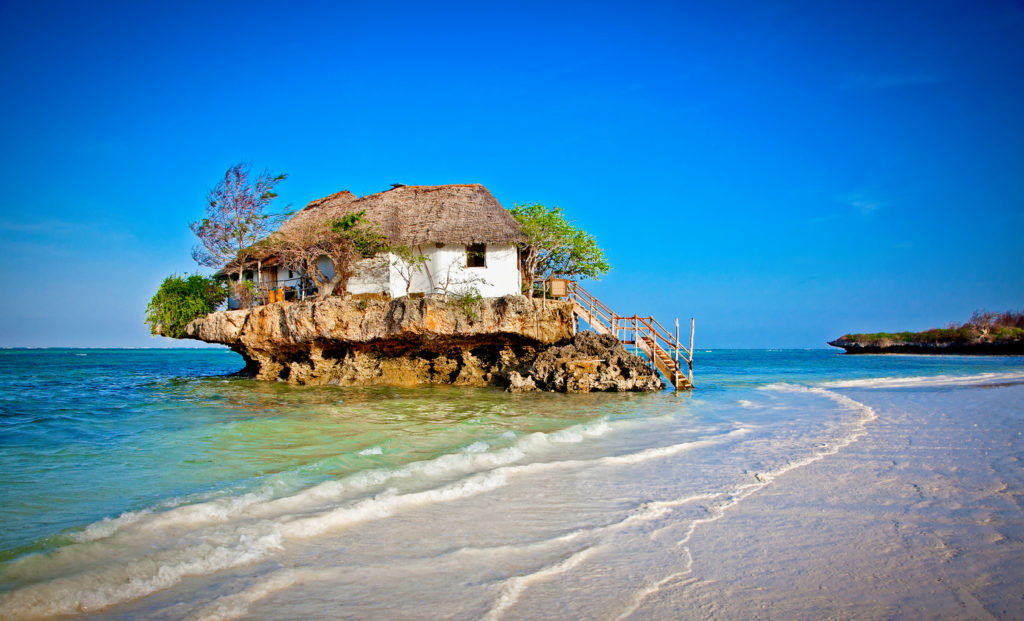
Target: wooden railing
270, 291
663, 349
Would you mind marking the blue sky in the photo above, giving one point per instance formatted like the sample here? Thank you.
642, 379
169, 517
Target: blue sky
784, 172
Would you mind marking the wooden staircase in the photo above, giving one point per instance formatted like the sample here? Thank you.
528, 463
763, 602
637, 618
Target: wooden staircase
663, 349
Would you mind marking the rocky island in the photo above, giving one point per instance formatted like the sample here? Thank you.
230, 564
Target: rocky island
410, 286
514, 342
994, 334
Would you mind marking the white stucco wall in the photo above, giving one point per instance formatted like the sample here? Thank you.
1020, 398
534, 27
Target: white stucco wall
448, 265
284, 279
420, 280
371, 276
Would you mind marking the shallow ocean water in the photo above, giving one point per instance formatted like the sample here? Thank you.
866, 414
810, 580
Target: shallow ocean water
149, 483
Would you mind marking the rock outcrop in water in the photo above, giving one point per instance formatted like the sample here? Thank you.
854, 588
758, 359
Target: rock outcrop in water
921, 346
985, 333
513, 342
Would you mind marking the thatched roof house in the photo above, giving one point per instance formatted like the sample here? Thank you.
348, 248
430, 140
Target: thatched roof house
422, 214
466, 235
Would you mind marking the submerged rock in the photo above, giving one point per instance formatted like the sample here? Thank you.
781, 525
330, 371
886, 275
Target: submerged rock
513, 342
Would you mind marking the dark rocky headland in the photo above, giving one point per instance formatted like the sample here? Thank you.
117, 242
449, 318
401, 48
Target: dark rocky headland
854, 345
513, 342
991, 334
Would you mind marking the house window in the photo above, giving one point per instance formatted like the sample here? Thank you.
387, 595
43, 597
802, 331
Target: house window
476, 255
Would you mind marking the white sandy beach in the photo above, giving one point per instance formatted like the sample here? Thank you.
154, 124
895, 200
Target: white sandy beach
919, 518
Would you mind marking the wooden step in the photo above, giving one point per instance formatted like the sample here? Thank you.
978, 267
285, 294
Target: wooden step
660, 358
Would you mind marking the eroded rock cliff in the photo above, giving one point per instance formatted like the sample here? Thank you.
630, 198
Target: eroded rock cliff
514, 342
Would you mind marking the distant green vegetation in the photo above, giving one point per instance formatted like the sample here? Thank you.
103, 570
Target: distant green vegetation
982, 327
182, 299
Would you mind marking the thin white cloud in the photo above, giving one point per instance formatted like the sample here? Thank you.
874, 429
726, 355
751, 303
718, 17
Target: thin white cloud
866, 207
864, 203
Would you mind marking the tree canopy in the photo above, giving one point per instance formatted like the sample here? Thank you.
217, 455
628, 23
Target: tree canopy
343, 241
236, 218
554, 246
181, 299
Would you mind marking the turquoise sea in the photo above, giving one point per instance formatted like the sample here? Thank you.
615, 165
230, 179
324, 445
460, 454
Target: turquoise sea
153, 483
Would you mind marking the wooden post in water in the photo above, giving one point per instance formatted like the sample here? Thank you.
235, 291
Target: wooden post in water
676, 353
690, 361
636, 337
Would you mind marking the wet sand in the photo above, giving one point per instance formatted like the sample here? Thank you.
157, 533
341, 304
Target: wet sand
920, 518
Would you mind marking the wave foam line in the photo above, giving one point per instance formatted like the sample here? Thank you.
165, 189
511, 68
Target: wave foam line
928, 381
515, 586
388, 504
262, 504
213, 511
491, 551
93, 590
119, 582
237, 605
733, 498
119, 579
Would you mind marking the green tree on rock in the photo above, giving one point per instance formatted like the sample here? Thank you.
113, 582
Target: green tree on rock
181, 299
553, 246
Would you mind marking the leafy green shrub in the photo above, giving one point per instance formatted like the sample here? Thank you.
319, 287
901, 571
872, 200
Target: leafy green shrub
181, 299
466, 300
1007, 333
367, 240
880, 337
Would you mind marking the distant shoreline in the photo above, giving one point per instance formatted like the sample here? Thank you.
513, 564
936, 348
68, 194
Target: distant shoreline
958, 348
984, 334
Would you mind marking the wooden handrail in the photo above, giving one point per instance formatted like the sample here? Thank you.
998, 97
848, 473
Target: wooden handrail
646, 333
652, 324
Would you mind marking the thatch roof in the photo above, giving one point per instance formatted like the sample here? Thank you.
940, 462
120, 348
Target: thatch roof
421, 214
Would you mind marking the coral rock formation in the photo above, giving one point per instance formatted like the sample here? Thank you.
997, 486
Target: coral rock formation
514, 342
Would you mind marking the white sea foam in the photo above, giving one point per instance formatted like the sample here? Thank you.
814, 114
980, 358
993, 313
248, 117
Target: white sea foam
476, 447
673, 449
474, 458
580, 432
376, 450
929, 381
154, 568
388, 504
108, 526
102, 586
513, 587
237, 605
142, 552
209, 512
